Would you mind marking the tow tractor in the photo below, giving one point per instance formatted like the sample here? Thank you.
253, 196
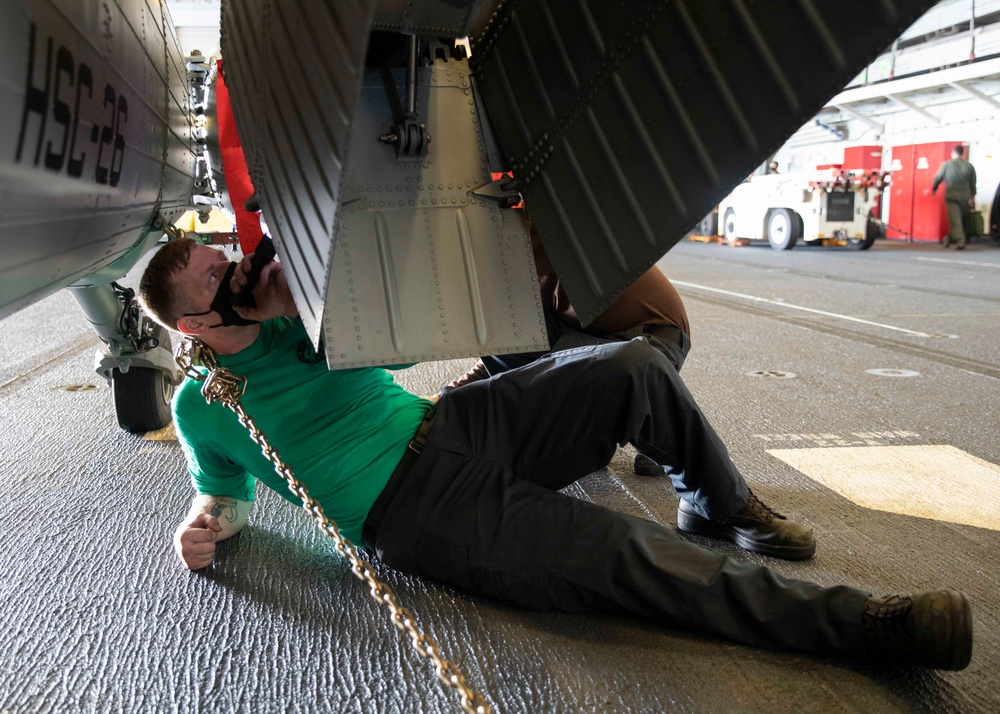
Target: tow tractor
834, 206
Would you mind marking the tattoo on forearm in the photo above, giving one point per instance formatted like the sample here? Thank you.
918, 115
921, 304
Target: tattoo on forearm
224, 507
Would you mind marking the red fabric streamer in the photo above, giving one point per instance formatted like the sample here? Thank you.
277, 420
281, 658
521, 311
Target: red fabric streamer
234, 167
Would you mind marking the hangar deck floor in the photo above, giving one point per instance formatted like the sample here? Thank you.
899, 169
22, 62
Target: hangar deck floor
898, 475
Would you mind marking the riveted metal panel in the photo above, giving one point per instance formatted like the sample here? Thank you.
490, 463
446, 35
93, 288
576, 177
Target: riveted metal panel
421, 270
294, 71
179, 167
91, 147
629, 121
440, 18
418, 284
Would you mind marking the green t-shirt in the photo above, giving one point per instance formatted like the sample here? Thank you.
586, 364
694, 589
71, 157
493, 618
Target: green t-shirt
342, 432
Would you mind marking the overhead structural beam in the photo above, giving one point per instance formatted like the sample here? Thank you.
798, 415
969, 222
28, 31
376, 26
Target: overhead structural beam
913, 107
975, 94
908, 85
863, 118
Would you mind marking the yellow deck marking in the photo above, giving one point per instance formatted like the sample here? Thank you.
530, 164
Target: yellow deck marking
937, 482
167, 433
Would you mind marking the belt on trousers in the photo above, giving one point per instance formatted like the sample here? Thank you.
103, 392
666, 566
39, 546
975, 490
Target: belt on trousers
413, 449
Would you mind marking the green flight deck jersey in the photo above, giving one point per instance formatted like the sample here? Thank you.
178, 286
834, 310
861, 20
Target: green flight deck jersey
342, 432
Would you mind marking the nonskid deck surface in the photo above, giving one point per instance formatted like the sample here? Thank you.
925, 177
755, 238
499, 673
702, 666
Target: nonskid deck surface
811, 365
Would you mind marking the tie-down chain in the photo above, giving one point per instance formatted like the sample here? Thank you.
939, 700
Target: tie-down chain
221, 385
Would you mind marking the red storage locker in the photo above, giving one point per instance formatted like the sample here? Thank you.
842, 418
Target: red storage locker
913, 211
901, 192
930, 216
863, 158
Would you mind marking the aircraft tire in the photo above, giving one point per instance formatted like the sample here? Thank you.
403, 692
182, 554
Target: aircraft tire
729, 227
781, 229
142, 399
872, 232
860, 243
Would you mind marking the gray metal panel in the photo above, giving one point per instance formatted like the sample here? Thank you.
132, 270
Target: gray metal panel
420, 270
441, 18
294, 71
179, 168
629, 121
63, 216
412, 284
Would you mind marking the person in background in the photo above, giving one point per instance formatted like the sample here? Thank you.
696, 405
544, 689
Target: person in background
772, 168
959, 178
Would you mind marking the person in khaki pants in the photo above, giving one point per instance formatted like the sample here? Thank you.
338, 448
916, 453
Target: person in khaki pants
959, 177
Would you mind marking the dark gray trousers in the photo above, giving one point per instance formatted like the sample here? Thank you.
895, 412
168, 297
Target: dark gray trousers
480, 508
669, 340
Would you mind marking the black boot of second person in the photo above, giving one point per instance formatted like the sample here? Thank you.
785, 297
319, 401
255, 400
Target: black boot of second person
925, 630
645, 466
755, 527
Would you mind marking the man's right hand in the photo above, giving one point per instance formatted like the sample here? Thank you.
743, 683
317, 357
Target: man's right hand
194, 540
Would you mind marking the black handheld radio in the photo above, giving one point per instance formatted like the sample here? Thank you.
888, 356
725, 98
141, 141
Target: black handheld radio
263, 254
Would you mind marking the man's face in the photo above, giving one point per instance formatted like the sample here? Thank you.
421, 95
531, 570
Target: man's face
197, 283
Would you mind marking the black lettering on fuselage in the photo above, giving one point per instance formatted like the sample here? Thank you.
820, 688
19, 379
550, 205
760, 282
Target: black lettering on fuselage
60, 109
118, 153
83, 78
35, 100
107, 134
60, 89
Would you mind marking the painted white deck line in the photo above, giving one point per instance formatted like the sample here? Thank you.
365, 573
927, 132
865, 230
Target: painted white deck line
957, 262
803, 308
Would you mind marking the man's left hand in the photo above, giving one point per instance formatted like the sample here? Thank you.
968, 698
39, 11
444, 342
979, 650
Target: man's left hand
271, 293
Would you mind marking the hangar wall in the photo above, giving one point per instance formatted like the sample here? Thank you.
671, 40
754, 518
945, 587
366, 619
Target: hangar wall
939, 44
962, 120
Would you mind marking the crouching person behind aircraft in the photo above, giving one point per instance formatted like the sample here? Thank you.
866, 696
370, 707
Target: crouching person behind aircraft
651, 308
467, 491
